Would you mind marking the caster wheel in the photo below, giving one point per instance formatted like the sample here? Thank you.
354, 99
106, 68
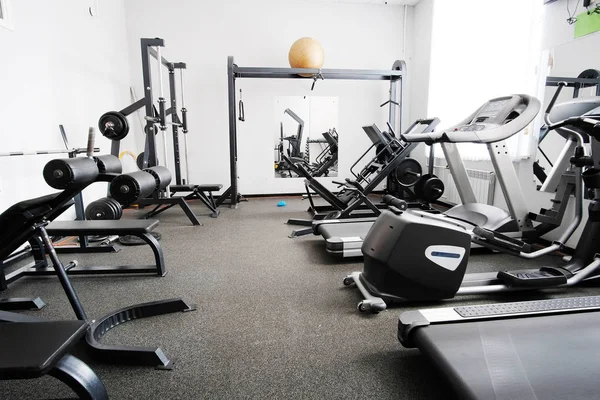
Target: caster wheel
363, 307
348, 281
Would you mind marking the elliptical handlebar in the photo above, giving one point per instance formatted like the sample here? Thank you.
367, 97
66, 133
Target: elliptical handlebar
589, 123
559, 88
395, 202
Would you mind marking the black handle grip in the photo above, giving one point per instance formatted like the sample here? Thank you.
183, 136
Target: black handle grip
184, 120
395, 202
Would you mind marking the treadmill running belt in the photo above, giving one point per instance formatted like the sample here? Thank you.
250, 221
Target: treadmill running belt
534, 357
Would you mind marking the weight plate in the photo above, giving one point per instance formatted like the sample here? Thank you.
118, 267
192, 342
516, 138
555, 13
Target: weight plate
140, 161
433, 189
117, 207
408, 172
102, 209
113, 125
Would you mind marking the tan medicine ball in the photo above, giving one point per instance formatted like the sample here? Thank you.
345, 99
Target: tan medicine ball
306, 53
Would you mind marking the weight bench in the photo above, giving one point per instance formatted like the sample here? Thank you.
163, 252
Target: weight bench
138, 228
200, 192
32, 349
27, 220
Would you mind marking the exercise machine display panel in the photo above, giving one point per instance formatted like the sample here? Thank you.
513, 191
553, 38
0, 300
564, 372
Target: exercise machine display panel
496, 120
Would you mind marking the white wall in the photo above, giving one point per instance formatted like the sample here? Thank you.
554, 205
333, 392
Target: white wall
419, 62
260, 33
60, 66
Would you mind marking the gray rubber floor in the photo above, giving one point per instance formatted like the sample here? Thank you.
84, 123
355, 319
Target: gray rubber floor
273, 320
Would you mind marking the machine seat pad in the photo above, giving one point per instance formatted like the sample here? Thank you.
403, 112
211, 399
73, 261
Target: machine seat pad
32, 349
101, 227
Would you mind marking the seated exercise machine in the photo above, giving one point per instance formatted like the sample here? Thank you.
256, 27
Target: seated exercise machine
114, 126
28, 219
409, 257
106, 209
521, 350
352, 199
136, 184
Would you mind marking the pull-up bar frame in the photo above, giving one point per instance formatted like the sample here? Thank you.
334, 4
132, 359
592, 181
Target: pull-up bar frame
395, 76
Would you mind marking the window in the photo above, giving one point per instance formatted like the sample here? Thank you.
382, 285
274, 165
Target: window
481, 50
5, 15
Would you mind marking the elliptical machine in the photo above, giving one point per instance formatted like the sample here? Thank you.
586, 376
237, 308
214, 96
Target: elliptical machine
408, 257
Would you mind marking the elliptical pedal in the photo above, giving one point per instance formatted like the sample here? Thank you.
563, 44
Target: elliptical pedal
492, 239
544, 277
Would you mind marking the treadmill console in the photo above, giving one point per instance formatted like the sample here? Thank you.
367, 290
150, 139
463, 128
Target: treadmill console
496, 120
494, 112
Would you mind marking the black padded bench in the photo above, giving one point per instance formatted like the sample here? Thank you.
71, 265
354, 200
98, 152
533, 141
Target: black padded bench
138, 228
30, 350
200, 192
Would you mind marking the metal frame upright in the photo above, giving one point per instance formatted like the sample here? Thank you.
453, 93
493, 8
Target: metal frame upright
155, 121
396, 75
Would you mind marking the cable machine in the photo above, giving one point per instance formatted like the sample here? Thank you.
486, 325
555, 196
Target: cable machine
114, 126
396, 101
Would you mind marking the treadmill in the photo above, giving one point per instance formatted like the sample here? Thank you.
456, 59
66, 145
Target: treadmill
524, 350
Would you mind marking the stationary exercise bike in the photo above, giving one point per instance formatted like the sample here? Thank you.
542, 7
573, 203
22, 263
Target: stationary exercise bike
408, 257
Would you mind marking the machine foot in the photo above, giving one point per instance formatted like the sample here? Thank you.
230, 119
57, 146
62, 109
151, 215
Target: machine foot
132, 354
371, 303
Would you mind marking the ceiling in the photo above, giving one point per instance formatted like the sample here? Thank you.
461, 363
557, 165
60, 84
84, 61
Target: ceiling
390, 2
